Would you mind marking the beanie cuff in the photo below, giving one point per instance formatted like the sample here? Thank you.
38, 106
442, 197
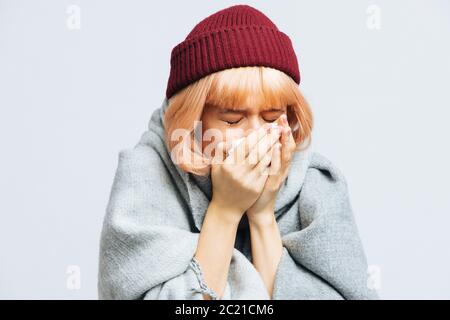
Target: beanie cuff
230, 47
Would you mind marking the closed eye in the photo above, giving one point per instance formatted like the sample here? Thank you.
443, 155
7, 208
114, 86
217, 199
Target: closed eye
232, 122
271, 120
272, 115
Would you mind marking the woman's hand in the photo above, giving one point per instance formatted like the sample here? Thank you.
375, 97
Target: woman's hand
262, 210
237, 181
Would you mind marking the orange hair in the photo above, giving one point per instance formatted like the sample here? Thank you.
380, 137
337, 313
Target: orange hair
235, 87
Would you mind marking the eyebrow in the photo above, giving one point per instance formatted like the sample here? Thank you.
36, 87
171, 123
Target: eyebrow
226, 110
273, 110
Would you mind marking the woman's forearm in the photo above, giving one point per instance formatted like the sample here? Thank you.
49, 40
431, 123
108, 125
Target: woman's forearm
215, 247
267, 249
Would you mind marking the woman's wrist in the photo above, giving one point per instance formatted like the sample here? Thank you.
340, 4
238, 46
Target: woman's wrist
224, 215
261, 220
215, 246
267, 247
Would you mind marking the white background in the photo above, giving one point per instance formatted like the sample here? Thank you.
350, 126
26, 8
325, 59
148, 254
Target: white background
70, 100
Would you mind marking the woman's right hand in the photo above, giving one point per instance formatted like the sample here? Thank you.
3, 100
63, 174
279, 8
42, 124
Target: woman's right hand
238, 180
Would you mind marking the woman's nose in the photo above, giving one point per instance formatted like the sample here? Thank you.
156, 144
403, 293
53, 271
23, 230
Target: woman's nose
255, 123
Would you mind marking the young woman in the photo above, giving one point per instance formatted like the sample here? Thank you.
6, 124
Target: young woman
222, 198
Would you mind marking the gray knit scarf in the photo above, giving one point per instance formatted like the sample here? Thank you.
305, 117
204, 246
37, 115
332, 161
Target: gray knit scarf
155, 213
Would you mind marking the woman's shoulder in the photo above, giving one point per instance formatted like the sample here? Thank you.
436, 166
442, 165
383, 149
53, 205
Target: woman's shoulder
322, 168
145, 185
147, 161
324, 188
140, 158
148, 153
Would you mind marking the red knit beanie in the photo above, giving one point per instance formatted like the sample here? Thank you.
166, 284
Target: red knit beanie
237, 36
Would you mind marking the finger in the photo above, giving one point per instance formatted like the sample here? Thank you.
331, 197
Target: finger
228, 145
260, 178
275, 164
241, 147
261, 166
255, 137
236, 150
282, 120
264, 145
286, 144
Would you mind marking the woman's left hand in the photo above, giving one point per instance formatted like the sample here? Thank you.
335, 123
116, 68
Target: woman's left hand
263, 209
